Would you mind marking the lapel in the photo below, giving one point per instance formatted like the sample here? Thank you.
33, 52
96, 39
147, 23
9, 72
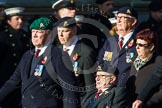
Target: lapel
27, 79
123, 50
102, 98
77, 49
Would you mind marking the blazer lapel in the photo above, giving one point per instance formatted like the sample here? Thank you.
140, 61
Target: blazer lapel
76, 49
123, 50
26, 76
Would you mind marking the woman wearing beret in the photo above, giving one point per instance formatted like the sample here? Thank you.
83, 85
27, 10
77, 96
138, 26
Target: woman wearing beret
144, 64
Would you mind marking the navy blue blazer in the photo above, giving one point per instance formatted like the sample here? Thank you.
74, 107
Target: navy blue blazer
111, 54
43, 91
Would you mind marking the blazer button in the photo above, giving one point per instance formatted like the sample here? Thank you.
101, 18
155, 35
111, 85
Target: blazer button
23, 96
42, 85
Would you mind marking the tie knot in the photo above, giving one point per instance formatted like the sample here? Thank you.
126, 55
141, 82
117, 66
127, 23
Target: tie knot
121, 39
66, 49
37, 52
99, 91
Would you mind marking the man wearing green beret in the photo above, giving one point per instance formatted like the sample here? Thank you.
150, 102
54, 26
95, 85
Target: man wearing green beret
41, 73
107, 94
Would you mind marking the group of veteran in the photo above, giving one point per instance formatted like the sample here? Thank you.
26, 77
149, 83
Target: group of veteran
68, 74
45, 78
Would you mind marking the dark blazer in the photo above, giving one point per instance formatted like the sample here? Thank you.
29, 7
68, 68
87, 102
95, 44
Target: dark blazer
86, 65
118, 57
138, 79
43, 91
151, 94
115, 98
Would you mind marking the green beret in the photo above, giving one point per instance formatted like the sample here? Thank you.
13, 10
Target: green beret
42, 24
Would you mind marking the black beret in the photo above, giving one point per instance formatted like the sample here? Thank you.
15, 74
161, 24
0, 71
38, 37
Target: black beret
129, 11
63, 4
66, 22
155, 5
107, 68
101, 1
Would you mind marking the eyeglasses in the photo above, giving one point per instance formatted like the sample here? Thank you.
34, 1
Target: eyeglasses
102, 76
142, 45
123, 17
71, 8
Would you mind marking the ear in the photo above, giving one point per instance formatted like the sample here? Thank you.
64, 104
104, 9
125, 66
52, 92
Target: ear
112, 79
8, 21
134, 21
152, 47
75, 30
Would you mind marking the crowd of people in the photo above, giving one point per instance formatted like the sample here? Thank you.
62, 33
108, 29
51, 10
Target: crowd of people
75, 61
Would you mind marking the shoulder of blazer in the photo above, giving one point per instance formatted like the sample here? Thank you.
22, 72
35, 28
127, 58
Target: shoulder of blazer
86, 42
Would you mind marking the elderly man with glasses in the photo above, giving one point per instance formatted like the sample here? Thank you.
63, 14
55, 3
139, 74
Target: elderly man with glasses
125, 46
107, 93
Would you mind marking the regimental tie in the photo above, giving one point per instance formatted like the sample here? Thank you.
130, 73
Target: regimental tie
37, 53
120, 42
98, 93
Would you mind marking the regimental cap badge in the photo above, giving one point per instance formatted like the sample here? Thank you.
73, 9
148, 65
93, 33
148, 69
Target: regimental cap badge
128, 11
66, 23
99, 68
41, 25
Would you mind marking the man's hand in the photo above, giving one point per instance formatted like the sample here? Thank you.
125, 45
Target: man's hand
137, 104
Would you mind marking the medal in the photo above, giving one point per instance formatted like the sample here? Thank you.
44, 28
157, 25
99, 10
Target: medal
107, 56
129, 57
75, 68
39, 70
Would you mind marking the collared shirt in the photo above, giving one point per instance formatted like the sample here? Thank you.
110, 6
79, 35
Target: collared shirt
42, 49
126, 37
71, 47
103, 90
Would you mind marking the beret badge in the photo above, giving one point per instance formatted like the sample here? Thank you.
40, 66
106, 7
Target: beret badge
99, 68
42, 25
65, 23
128, 11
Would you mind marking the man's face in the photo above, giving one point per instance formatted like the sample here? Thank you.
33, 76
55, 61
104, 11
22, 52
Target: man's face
15, 22
66, 35
39, 37
125, 23
102, 80
66, 12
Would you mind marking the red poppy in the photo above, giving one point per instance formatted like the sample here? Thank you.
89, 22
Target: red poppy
75, 57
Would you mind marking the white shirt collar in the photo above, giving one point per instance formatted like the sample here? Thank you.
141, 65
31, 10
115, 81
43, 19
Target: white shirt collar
71, 47
42, 49
126, 37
